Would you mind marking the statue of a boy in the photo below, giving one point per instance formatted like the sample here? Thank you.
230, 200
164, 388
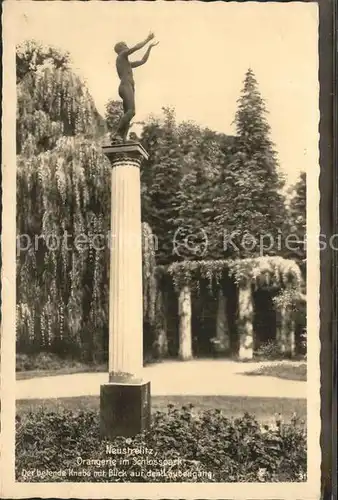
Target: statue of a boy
127, 85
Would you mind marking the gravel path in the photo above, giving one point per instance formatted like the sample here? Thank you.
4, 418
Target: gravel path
197, 377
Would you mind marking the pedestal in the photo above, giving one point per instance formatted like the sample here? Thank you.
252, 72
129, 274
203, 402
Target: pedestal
124, 409
125, 400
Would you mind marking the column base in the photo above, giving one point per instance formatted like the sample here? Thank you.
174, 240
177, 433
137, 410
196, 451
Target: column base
124, 409
245, 354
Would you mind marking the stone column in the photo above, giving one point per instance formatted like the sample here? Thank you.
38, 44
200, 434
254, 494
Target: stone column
125, 400
286, 333
245, 313
185, 338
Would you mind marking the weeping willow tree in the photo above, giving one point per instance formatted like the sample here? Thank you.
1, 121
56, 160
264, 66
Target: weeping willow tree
63, 212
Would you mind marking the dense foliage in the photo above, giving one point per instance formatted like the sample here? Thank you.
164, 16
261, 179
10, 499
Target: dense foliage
206, 446
51, 362
161, 178
185, 165
114, 111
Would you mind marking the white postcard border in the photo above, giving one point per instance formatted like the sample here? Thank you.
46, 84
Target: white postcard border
11, 489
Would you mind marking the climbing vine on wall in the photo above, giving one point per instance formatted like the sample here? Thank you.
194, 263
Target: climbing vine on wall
270, 272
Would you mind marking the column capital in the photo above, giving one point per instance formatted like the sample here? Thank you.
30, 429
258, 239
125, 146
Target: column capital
125, 153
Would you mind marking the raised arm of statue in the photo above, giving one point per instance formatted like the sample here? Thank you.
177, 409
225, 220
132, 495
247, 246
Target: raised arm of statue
135, 64
140, 45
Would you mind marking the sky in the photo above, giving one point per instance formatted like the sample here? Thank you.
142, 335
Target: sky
199, 65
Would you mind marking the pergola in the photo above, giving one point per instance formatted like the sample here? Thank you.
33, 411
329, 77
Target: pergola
280, 276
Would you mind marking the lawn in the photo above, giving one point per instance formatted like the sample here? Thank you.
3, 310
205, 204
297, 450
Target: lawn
289, 371
264, 409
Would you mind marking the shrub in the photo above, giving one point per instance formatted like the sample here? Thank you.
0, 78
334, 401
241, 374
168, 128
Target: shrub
269, 350
206, 446
42, 361
292, 371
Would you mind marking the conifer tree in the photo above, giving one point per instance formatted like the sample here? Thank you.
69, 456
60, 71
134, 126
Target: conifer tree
250, 202
297, 220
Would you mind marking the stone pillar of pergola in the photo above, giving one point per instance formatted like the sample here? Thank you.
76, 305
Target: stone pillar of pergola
245, 321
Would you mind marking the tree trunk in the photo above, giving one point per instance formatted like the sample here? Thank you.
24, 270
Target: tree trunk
161, 342
245, 312
222, 326
184, 308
